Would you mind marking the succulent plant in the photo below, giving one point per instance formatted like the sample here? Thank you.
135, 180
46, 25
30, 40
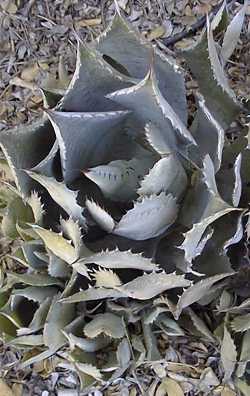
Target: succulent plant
112, 201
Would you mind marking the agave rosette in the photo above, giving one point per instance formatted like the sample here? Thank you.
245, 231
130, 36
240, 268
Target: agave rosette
116, 199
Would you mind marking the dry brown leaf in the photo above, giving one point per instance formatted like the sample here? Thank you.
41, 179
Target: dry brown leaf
19, 82
5, 390
9, 6
30, 73
17, 389
169, 387
156, 33
88, 22
227, 392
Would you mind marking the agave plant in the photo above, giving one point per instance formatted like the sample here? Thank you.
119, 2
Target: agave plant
113, 201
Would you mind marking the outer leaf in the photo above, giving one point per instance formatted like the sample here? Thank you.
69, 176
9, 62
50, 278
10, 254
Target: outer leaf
79, 133
38, 320
93, 294
208, 134
170, 327
63, 196
211, 207
37, 358
135, 58
57, 267
107, 323
89, 370
87, 345
60, 246
155, 109
149, 218
228, 355
33, 279
36, 205
73, 232
241, 323
219, 100
34, 293
27, 340
117, 259
244, 354
48, 166
31, 251
92, 80
196, 292
17, 211
35, 141
237, 183
150, 285
58, 317
232, 34
200, 325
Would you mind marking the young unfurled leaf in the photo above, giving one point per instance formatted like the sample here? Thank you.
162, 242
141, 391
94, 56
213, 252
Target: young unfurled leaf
166, 175
101, 217
108, 324
72, 230
232, 34
119, 180
106, 278
228, 354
